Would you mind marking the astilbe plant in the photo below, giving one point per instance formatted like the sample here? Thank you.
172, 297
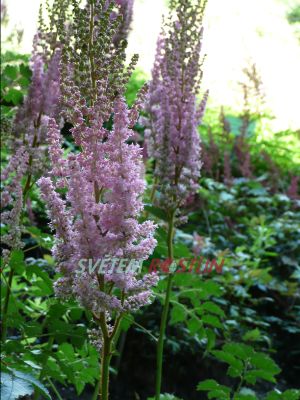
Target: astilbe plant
42, 100
28, 136
27, 144
94, 194
174, 115
11, 216
172, 136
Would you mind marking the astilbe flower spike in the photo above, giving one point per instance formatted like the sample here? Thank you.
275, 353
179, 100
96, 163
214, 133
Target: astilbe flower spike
42, 100
94, 193
172, 136
26, 141
98, 218
104, 184
12, 200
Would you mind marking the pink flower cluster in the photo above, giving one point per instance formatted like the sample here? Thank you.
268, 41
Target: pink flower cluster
172, 136
43, 95
98, 216
12, 199
40, 104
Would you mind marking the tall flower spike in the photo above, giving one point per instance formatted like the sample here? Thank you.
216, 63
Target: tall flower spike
172, 137
102, 181
12, 199
27, 137
91, 60
97, 217
40, 104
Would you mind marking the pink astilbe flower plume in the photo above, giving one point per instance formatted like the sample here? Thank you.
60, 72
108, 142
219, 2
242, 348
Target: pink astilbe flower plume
172, 136
12, 200
28, 139
102, 182
99, 217
43, 98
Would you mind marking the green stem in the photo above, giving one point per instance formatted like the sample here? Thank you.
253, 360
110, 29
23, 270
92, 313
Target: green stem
6, 303
54, 389
242, 379
105, 361
164, 317
91, 55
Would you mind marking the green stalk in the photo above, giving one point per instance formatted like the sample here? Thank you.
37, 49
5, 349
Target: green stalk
54, 389
164, 317
109, 345
105, 361
5, 306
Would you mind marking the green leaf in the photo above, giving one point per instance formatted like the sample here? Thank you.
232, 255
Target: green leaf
57, 310
76, 313
211, 339
216, 391
218, 394
212, 320
239, 350
45, 280
194, 325
181, 251
24, 82
68, 351
17, 261
33, 328
25, 71
127, 321
178, 314
229, 359
43, 239
157, 212
241, 396
264, 362
252, 335
251, 376
213, 308
226, 197
208, 384
291, 394
11, 71
274, 395
14, 96
13, 388
233, 372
